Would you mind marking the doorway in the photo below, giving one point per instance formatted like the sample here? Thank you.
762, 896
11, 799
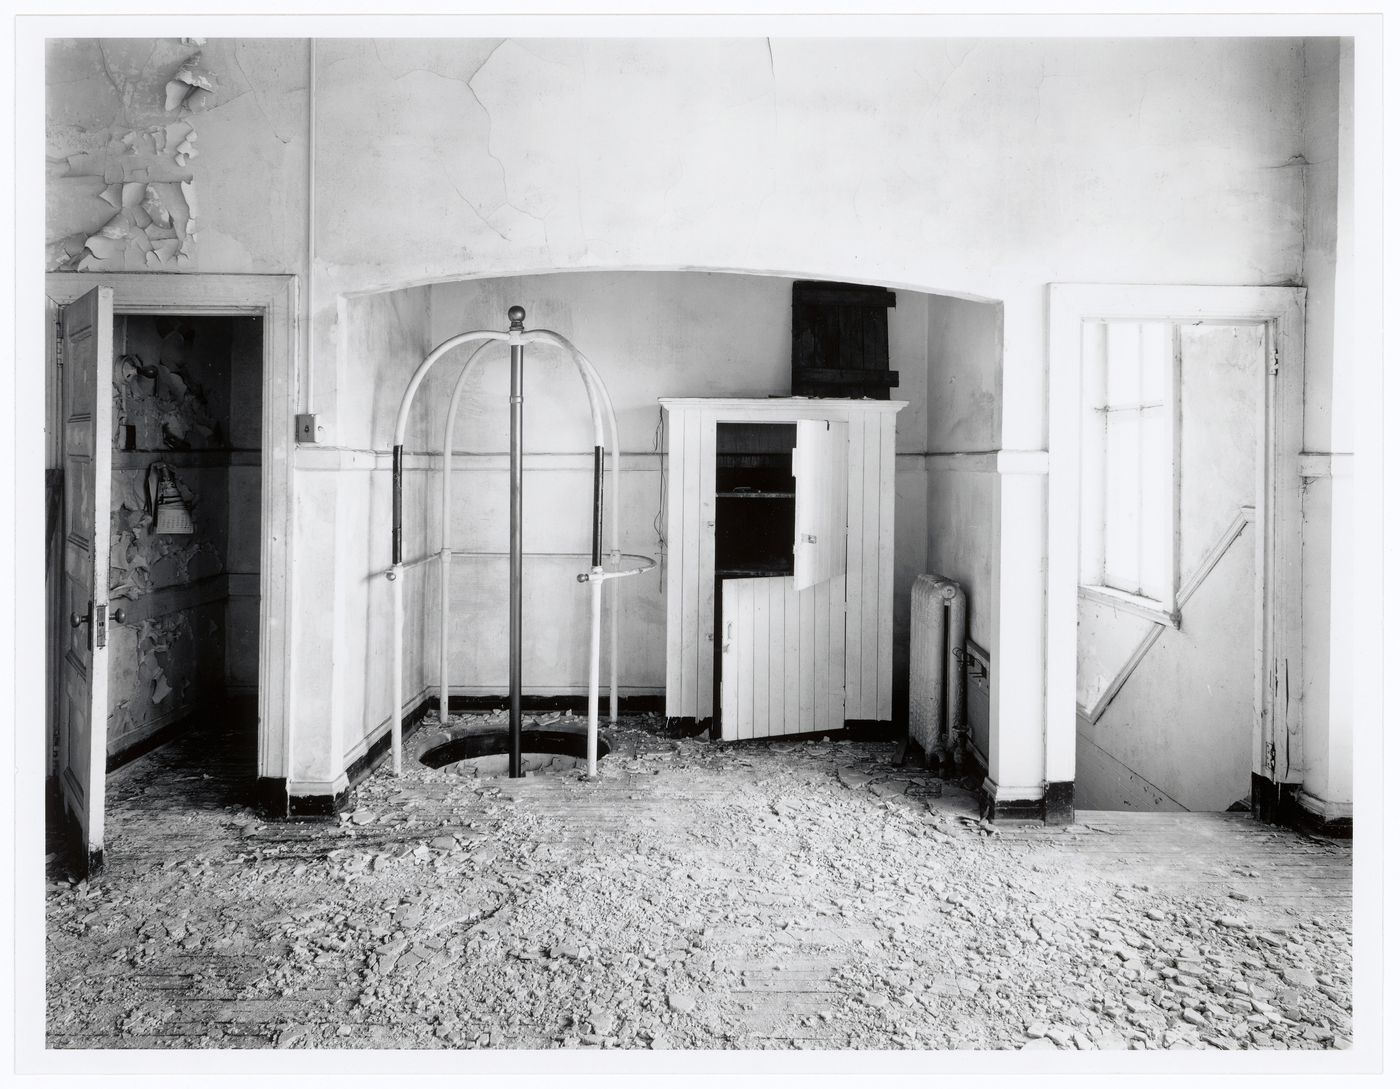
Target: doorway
179, 511
1174, 515
185, 530
1171, 595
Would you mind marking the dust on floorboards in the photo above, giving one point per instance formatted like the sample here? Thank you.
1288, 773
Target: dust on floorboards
694, 895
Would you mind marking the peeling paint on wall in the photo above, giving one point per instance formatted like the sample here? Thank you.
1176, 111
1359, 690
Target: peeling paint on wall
141, 171
190, 87
170, 405
167, 408
155, 674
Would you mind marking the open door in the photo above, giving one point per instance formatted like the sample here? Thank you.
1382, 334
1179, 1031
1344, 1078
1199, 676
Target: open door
782, 658
86, 362
819, 469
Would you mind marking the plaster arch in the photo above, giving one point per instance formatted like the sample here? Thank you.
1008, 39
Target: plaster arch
382, 335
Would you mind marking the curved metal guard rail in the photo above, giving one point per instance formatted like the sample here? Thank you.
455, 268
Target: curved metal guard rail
605, 433
602, 574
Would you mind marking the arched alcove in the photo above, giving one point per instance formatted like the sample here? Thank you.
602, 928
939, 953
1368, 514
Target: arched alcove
651, 333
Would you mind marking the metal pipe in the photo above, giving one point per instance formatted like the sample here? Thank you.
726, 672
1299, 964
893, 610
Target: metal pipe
597, 506
938, 683
612, 638
401, 420
598, 395
957, 636
517, 423
601, 409
396, 592
595, 628
396, 738
395, 573
397, 553
445, 554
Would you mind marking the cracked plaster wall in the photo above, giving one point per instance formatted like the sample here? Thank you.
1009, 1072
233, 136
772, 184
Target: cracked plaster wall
175, 155
985, 168
965, 376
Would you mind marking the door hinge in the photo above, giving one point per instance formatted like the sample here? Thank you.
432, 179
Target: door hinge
1273, 367
58, 338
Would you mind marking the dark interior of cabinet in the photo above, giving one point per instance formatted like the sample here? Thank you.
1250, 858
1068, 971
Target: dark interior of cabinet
755, 500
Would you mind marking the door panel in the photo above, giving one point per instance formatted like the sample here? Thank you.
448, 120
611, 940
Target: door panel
1168, 713
819, 467
782, 658
87, 468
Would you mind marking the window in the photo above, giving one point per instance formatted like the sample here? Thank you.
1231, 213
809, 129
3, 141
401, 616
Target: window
1128, 483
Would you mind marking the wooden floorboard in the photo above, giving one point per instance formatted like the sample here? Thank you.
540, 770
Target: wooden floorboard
794, 905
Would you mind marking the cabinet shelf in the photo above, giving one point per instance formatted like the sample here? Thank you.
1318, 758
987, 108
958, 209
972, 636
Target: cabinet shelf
754, 571
756, 495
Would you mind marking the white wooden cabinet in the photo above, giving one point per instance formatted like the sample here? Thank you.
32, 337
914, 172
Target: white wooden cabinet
806, 637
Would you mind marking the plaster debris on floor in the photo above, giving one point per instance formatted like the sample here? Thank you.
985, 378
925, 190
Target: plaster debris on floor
694, 895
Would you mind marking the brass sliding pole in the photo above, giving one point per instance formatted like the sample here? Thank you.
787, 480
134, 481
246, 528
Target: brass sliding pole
517, 420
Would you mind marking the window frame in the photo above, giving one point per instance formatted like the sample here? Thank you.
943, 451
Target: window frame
1094, 584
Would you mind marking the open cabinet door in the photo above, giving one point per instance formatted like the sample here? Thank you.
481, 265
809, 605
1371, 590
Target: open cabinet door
782, 658
819, 469
87, 471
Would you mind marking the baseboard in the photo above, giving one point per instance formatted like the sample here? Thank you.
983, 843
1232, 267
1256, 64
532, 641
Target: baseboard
854, 729
1272, 802
146, 743
270, 797
378, 751
1052, 804
1059, 802
319, 806
84, 864
640, 703
1320, 818
1287, 805
1013, 809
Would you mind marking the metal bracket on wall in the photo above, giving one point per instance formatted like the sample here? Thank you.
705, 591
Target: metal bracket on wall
309, 427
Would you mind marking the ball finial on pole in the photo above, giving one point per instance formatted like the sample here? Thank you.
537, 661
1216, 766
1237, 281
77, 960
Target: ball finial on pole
517, 317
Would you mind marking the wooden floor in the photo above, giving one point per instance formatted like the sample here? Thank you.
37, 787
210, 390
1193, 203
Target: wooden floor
695, 895
1285, 874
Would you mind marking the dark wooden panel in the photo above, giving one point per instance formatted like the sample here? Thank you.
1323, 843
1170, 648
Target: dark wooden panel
827, 375
840, 340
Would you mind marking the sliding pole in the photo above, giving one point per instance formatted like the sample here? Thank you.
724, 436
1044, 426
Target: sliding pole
396, 592
595, 593
517, 421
